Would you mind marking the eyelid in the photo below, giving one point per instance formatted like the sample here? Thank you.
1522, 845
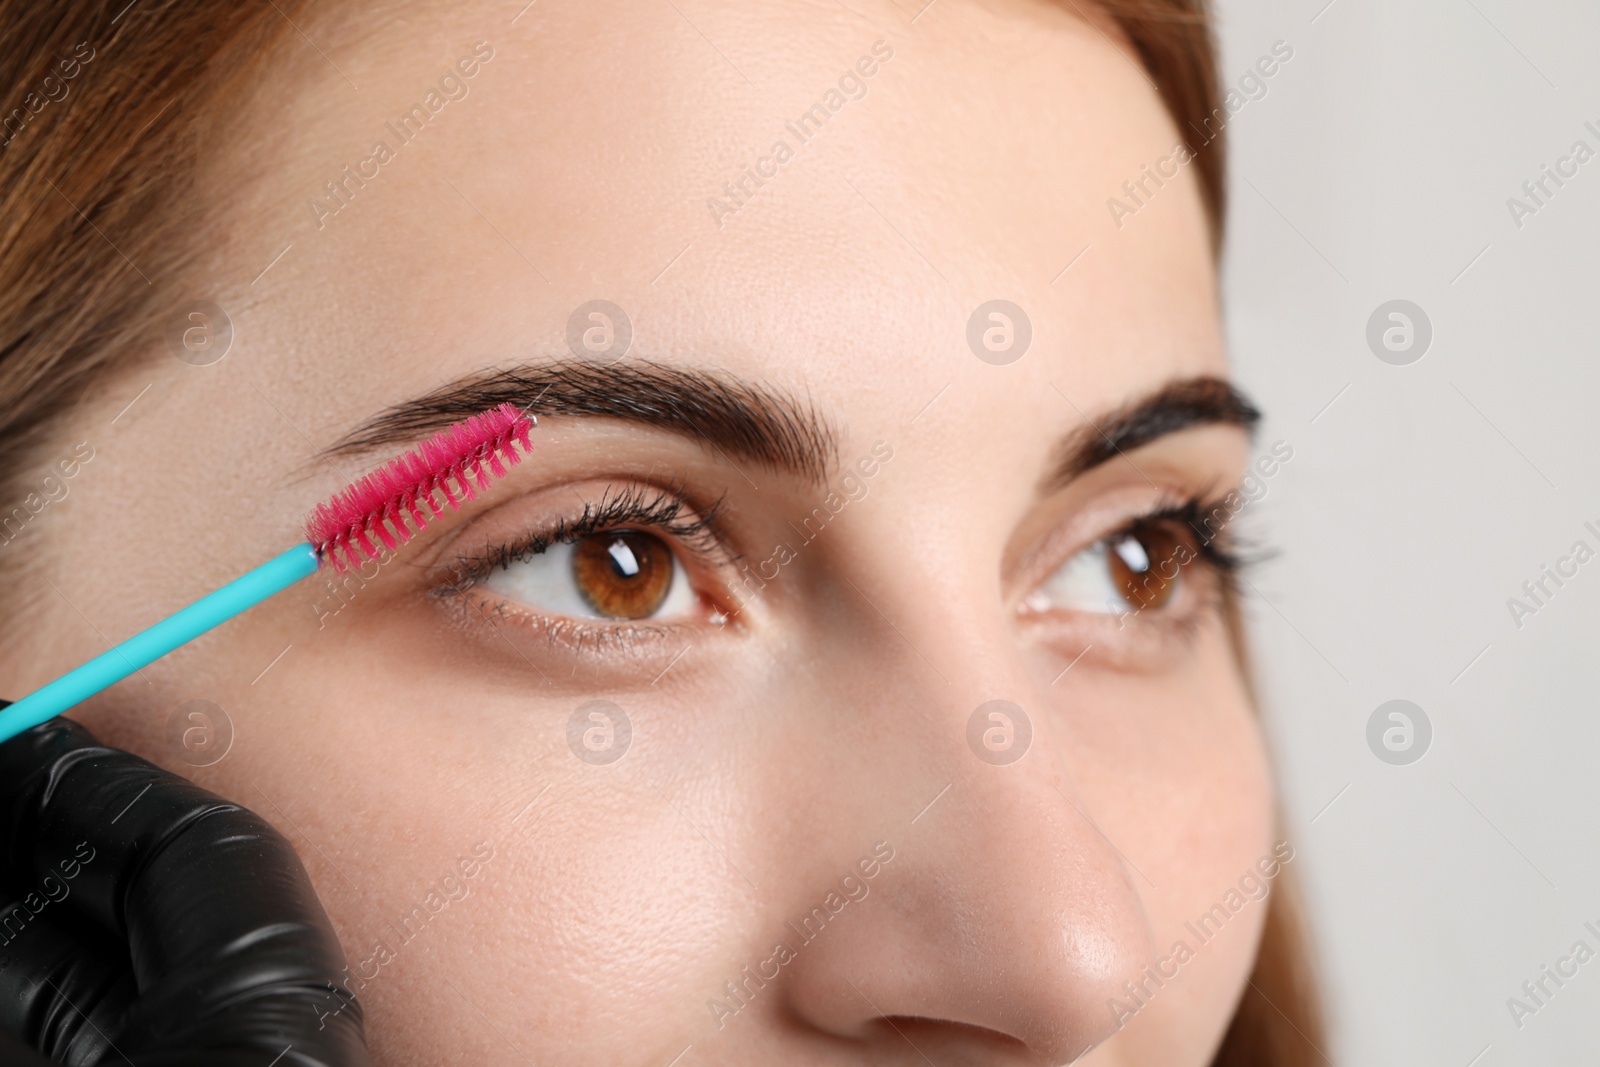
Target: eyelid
1106, 519
1084, 526
1135, 638
625, 504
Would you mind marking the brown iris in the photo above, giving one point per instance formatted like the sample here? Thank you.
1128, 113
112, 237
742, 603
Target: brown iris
1145, 564
623, 574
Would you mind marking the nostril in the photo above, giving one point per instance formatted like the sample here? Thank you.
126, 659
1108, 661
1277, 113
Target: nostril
942, 1037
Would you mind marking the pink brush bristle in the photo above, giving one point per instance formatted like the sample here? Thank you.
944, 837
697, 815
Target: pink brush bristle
371, 516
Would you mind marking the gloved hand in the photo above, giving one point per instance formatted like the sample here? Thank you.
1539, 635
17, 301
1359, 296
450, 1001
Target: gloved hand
145, 921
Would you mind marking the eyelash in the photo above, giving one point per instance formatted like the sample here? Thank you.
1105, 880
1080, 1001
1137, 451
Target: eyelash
1222, 551
665, 510
1220, 555
634, 505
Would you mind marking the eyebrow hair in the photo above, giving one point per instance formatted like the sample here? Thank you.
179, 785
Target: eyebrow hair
735, 417
1178, 405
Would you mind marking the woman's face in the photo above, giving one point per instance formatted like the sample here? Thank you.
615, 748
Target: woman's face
796, 540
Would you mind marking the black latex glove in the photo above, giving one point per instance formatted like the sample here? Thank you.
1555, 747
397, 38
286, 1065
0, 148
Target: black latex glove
145, 921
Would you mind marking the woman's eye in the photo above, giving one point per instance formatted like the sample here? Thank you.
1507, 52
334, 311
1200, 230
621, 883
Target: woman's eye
1139, 569
616, 574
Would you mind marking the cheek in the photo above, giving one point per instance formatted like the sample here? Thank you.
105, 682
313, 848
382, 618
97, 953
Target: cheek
394, 778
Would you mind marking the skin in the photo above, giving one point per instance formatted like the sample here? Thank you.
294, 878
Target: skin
828, 715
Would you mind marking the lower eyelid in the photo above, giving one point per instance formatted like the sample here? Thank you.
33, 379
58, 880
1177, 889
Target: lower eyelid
1132, 640
622, 644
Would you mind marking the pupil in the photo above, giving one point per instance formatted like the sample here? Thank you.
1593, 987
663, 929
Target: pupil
623, 559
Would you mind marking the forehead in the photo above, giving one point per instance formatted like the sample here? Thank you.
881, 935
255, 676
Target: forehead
814, 194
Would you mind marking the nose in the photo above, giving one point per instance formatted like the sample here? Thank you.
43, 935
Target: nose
1006, 922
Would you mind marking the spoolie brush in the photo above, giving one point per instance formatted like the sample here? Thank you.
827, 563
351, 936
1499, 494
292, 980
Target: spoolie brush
377, 507
386, 508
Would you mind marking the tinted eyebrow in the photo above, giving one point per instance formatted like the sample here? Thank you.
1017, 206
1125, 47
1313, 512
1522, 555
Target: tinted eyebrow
734, 416
1178, 405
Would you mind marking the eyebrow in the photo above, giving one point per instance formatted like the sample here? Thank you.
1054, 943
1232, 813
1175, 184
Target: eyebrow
1181, 404
753, 422
735, 417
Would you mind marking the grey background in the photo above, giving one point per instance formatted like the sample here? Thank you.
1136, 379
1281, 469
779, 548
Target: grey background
1421, 497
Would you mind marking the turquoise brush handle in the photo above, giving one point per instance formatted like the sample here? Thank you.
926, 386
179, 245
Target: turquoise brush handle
145, 648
